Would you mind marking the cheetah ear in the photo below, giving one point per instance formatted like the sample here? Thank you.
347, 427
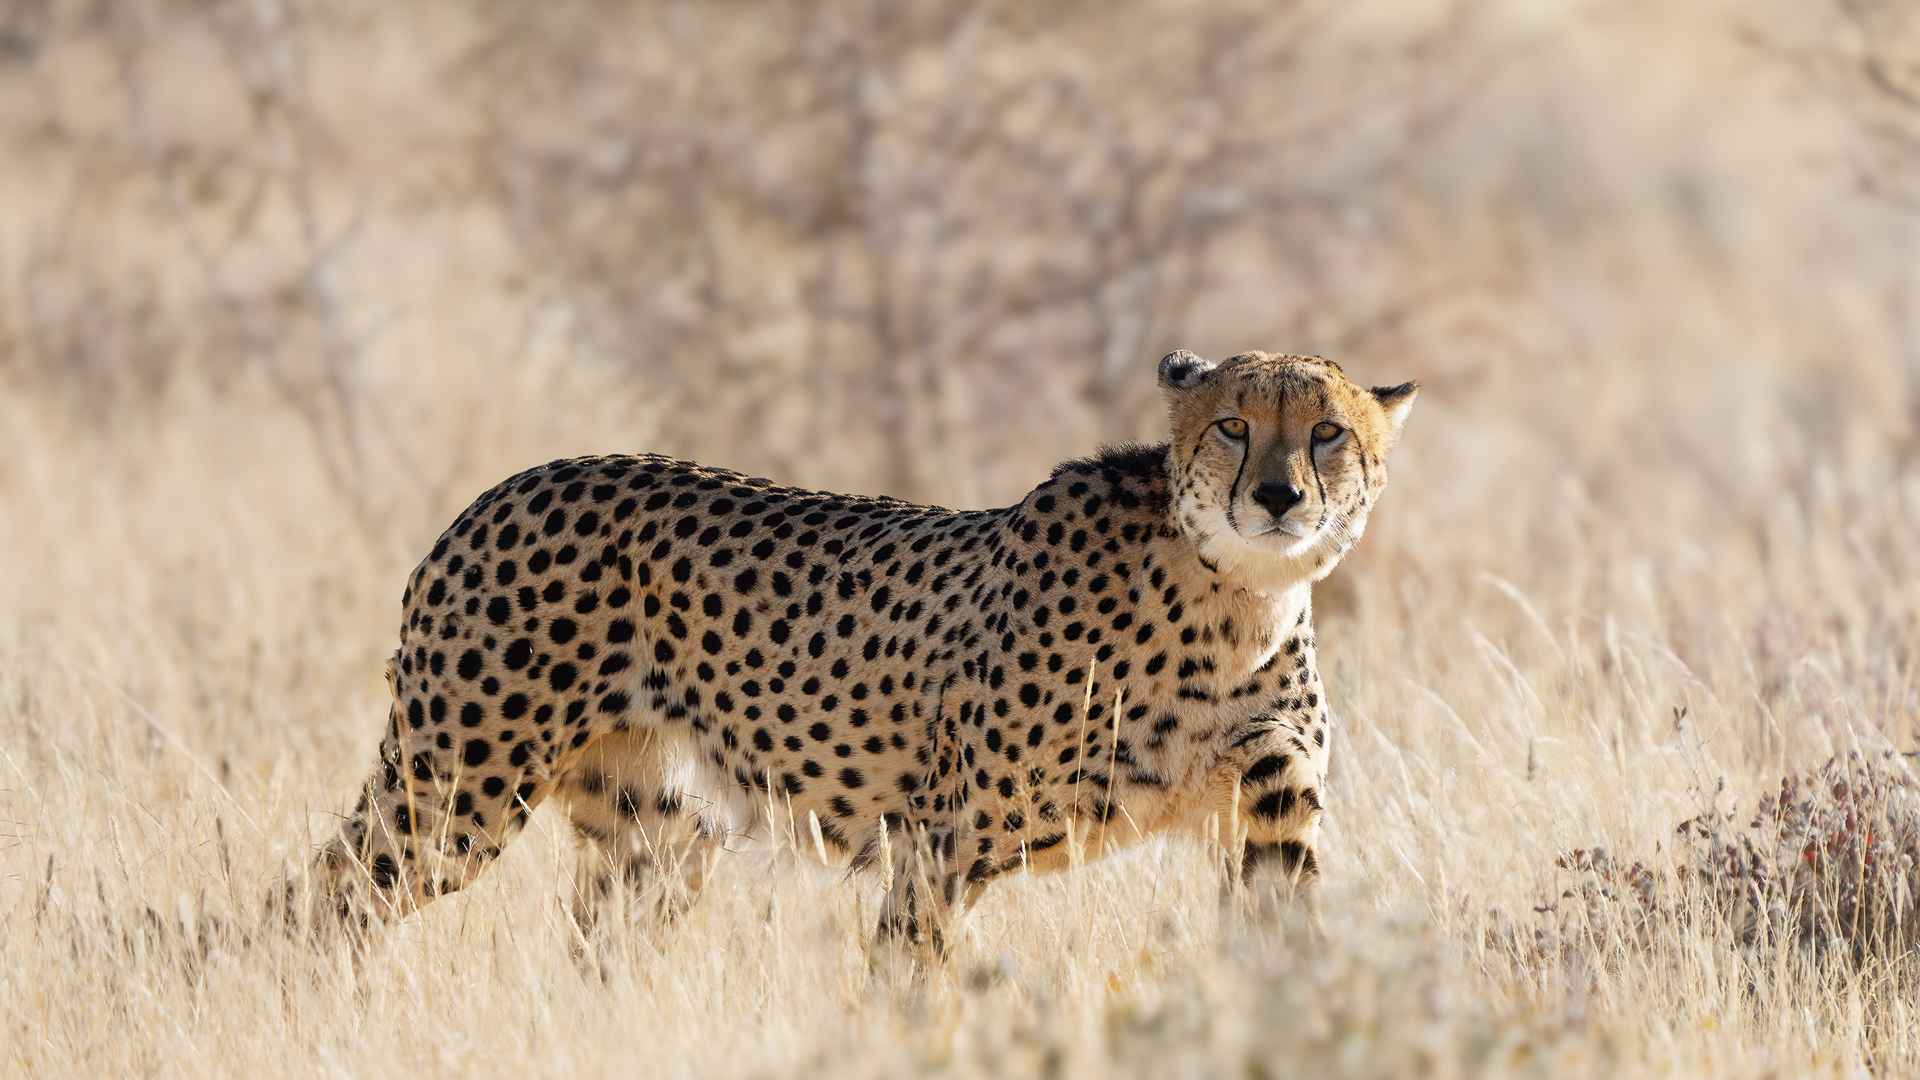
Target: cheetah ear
1396, 402
1183, 370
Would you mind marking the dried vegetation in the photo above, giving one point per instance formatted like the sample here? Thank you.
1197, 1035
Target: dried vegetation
283, 285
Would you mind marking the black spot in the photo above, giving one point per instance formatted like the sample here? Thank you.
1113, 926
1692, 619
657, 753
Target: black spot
470, 664
1274, 804
519, 654
627, 802
1267, 766
385, 871
478, 750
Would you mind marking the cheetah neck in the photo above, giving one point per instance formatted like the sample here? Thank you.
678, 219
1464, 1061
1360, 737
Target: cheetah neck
1243, 628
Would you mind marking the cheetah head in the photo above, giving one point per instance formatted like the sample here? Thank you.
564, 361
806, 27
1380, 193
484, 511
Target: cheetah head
1276, 461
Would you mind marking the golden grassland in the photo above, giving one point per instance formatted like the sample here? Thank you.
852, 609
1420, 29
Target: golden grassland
1648, 549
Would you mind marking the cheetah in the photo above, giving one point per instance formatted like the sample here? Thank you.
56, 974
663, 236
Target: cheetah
687, 659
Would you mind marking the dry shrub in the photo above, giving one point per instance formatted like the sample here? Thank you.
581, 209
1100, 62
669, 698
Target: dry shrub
1827, 862
1817, 887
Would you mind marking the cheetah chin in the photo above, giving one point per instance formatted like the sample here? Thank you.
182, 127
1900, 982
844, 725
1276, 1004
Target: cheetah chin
689, 660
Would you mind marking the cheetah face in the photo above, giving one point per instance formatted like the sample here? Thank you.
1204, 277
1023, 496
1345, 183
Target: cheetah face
1276, 461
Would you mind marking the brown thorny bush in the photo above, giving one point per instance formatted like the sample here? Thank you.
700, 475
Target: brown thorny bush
1825, 864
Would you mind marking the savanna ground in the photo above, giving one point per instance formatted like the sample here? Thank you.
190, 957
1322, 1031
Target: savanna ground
282, 286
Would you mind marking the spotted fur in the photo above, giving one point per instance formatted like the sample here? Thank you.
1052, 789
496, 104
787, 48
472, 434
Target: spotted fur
687, 658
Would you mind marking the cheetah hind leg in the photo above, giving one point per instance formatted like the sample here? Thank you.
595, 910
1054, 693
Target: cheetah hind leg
425, 826
644, 853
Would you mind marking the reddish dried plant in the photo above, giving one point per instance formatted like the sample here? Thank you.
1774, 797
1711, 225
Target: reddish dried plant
1827, 860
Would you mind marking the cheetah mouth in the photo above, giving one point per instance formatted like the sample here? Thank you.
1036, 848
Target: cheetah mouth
1288, 536
1277, 537
1281, 526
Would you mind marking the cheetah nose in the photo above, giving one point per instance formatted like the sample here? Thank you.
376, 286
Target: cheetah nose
1276, 496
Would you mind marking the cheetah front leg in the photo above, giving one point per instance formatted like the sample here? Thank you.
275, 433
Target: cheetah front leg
1278, 809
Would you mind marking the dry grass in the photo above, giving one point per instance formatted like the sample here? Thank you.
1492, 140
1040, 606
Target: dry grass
277, 298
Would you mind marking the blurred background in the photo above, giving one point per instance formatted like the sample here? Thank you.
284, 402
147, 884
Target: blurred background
285, 284
930, 248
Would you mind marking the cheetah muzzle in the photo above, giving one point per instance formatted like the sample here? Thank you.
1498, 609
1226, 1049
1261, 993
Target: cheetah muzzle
688, 659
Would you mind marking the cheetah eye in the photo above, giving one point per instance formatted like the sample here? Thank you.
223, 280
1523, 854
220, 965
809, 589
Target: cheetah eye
1233, 428
1326, 432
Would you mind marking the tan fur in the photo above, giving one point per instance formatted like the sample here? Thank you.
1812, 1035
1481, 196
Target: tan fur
689, 659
